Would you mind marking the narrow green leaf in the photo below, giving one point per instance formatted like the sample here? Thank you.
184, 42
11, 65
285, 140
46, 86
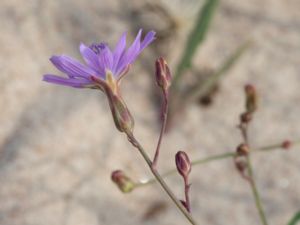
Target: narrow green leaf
196, 37
295, 220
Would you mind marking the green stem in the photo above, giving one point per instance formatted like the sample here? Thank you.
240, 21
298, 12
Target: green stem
255, 192
212, 159
160, 180
251, 180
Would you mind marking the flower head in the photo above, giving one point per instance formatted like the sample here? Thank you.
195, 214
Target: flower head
104, 69
103, 65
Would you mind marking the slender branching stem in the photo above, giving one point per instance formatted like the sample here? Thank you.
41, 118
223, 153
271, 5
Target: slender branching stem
255, 193
251, 180
160, 180
214, 158
162, 130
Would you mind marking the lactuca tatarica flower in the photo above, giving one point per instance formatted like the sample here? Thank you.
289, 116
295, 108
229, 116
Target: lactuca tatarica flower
103, 69
101, 63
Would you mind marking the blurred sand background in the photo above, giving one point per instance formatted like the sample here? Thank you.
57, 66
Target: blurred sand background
59, 145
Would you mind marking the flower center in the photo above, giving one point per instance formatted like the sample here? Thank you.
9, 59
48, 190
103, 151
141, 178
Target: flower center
98, 47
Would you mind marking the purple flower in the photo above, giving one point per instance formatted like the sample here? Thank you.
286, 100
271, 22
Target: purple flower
104, 68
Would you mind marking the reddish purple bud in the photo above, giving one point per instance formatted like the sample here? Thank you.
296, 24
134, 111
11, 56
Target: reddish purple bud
242, 150
163, 74
240, 165
245, 117
251, 98
124, 183
183, 164
286, 144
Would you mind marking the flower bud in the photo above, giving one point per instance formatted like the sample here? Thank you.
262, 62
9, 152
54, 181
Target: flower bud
183, 164
241, 166
245, 117
124, 183
251, 98
163, 74
242, 150
286, 144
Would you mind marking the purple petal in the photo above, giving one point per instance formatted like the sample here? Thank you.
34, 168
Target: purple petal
106, 59
71, 82
133, 50
119, 50
71, 67
150, 36
89, 56
130, 54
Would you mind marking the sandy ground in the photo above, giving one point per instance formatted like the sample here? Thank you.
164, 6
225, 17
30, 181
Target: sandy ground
58, 145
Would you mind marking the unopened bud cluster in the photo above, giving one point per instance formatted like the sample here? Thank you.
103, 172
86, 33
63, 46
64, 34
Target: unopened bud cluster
250, 104
242, 151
